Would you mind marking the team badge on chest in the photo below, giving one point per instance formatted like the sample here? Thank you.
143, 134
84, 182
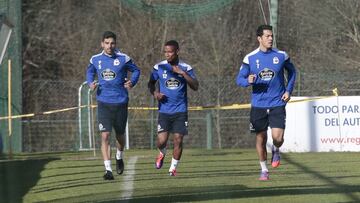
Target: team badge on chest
116, 62
275, 60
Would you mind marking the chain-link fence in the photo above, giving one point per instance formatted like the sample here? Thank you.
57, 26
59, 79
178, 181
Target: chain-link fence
207, 128
214, 37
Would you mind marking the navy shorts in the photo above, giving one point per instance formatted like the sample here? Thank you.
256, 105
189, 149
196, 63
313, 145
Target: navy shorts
112, 115
262, 118
173, 123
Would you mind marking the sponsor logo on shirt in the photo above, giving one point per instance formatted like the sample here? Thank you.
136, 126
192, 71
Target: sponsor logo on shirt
266, 74
172, 83
108, 74
164, 75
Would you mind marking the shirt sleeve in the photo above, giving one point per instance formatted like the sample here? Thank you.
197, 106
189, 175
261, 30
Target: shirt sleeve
90, 73
134, 70
154, 75
289, 66
244, 72
191, 73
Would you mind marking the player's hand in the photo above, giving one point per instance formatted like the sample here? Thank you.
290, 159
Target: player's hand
178, 70
286, 97
128, 84
93, 86
159, 96
252, 78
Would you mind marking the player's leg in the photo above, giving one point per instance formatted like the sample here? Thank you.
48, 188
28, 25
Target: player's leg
177, 152
259, 123
120, 122
261, 139
179, 129
161, 143
162, 138
277, 123
104, 120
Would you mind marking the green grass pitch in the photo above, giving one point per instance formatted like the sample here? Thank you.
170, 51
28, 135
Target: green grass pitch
229, 175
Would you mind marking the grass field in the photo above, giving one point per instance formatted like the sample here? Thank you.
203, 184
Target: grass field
203, 176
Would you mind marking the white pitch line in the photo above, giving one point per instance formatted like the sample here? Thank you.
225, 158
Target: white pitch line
128, 185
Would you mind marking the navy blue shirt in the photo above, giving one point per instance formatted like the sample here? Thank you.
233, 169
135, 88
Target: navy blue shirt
111, 72
269, 85
173, 86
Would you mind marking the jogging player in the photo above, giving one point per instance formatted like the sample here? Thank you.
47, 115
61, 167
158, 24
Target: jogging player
263, 69
112, 67
173, 76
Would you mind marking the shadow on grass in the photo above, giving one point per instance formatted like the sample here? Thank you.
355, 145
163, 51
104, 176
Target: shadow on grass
18, 177
347, 190
229, 193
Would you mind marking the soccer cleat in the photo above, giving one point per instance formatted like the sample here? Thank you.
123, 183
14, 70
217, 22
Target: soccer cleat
119, 166
275, 159
264, 175
108, 175
172, 172
159, 161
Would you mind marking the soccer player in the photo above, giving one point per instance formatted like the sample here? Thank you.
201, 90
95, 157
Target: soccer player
263, 69
111, 67
173, 75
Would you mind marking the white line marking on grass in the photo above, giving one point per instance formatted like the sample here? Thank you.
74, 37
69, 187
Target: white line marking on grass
128, 185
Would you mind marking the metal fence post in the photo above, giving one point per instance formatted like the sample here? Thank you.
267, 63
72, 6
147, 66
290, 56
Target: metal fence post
208, 130
79, 115
90, 123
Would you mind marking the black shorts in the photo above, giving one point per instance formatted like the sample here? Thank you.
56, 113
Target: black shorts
261, 118
112, 115
173, 123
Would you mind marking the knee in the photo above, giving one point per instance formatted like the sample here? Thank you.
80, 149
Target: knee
278, 141
105, 136
178, 140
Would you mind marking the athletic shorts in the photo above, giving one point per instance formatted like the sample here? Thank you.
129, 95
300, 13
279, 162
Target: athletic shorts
112, 115
262, 118
173, 123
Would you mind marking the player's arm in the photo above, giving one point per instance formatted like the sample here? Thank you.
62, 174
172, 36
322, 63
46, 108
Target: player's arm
153, 88
135, 74
244, 78
90, 76
189, 77
289, 66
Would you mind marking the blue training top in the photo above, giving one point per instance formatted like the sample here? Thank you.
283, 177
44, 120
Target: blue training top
111, 72
173, 86
269, 85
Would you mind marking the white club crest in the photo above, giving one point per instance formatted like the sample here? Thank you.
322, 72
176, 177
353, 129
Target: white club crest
275, 60
116, 62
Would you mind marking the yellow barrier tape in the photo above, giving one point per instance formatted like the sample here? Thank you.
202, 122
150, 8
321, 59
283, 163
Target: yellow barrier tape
192, 108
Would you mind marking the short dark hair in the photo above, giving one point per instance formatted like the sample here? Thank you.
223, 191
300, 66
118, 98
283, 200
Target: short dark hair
261, 28
108, 34
173, 43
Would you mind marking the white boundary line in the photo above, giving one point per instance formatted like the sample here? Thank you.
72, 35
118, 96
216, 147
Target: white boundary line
127, 185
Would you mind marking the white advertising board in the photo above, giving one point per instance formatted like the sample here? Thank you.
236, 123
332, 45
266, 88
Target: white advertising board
322, 125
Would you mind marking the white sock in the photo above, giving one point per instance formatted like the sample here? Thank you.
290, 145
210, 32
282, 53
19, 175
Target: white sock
119, 154
107, 164
174, 164
263, 166
163, 151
